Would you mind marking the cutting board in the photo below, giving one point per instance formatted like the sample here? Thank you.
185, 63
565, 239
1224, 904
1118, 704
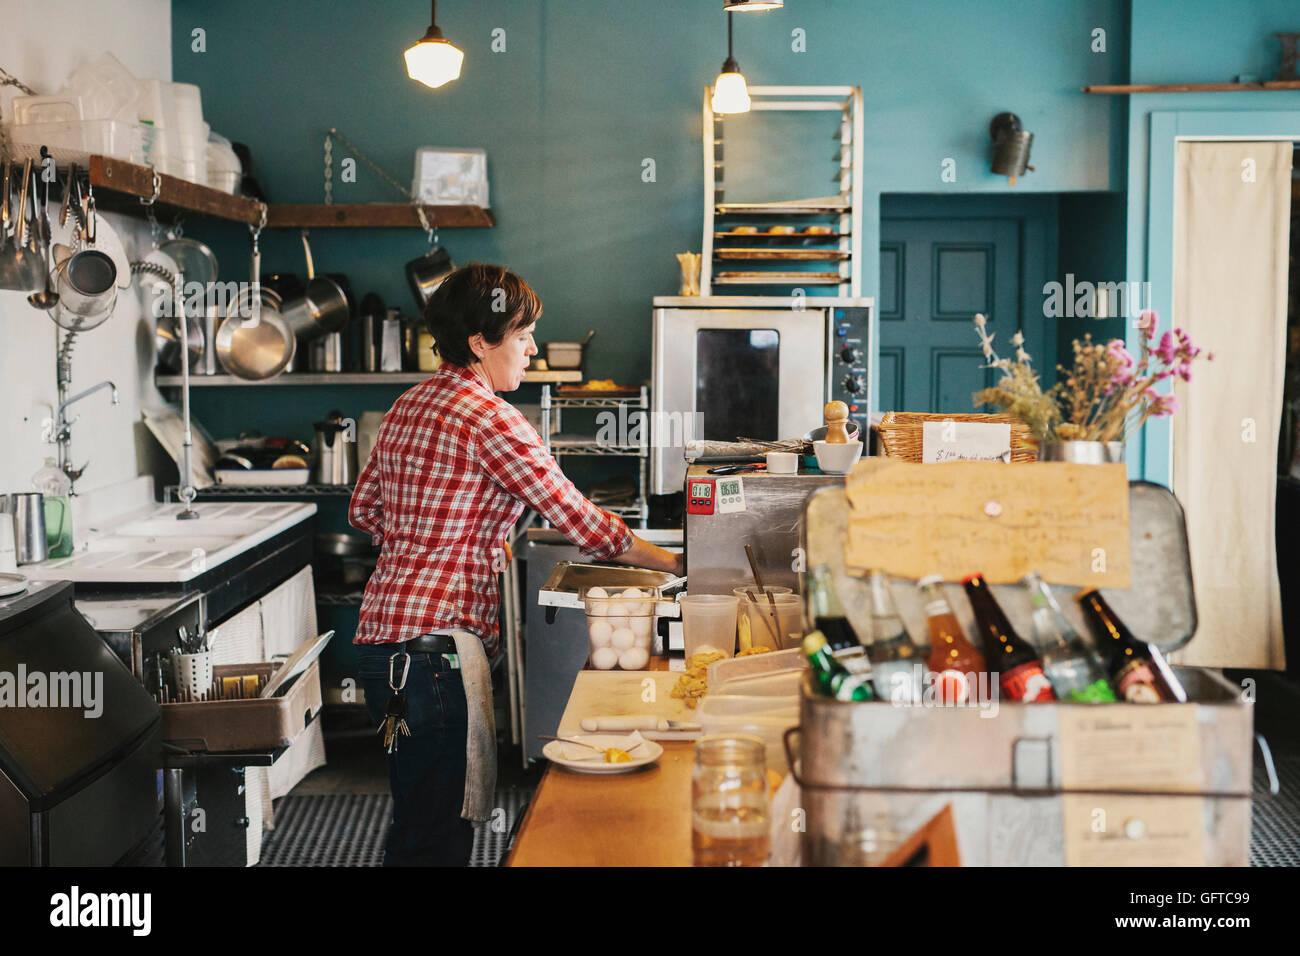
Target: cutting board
615, 693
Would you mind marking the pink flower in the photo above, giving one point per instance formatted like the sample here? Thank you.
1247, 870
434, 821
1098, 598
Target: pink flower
1117, 355
1167, 350
1185, 371
1160, 406
1148, 322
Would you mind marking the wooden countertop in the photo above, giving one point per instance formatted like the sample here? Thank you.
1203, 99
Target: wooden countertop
642, 818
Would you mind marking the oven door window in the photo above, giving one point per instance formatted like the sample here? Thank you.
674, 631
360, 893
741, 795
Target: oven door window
737, 382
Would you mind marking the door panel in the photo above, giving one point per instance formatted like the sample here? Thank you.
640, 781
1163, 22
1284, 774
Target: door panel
889, 370
935, 274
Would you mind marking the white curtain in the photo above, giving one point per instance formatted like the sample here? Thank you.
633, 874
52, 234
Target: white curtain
1232, 211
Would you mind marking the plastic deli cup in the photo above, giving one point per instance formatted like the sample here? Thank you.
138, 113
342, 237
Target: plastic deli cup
709, 623
742, 594
788, 624
620, 625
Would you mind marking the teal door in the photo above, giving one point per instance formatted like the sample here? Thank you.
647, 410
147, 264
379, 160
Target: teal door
935, 274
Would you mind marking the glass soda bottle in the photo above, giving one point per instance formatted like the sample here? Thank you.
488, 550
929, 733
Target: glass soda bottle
1137, 669
829, 676
1020, 671
953, 659
896, 662
1071, 665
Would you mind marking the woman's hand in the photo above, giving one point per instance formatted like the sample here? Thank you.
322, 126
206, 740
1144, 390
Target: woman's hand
643, 554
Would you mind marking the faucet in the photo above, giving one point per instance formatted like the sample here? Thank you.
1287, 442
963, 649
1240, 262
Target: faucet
63, 429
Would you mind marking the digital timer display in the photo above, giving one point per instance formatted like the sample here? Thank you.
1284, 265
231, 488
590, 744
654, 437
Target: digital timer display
701, 489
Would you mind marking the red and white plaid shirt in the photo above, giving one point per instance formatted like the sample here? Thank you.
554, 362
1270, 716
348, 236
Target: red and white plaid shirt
449, 476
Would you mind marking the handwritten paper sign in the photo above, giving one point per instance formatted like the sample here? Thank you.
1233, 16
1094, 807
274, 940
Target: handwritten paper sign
1069, 522
965, 441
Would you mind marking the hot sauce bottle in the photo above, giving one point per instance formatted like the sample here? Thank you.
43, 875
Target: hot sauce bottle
1020, 671
953, 660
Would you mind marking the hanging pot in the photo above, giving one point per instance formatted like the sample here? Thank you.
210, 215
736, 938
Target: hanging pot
426, 273
323, 306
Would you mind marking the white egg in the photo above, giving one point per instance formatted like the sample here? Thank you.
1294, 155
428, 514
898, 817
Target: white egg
617, 622
604, 658
622, 638
617, 609
642, 640
640, 625
597, 592
632, 593
634, 658
599, 632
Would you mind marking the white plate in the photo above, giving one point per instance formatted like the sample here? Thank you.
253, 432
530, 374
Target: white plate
647, 753
11, 584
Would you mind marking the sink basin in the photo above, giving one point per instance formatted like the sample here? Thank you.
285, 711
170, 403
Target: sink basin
150, 545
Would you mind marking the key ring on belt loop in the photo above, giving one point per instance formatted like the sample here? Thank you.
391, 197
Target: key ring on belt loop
393, 683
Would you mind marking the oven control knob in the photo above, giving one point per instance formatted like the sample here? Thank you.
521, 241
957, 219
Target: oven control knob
850, 355
852, 384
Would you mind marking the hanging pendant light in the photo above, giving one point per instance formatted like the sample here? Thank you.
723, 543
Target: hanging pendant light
730, 94
433, 61
737, 6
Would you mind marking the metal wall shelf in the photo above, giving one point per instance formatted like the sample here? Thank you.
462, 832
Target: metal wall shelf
276, 491
349, 378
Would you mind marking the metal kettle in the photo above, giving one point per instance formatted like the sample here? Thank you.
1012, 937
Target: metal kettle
335, 450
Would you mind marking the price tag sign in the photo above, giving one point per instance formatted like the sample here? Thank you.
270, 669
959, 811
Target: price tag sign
965, 441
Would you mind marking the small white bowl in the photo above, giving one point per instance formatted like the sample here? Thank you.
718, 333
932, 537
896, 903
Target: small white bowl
782, 463
836, 459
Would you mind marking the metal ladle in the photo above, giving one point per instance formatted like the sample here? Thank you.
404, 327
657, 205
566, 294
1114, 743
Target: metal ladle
48, 298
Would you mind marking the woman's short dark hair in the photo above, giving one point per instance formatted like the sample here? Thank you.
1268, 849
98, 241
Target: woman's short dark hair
478, 299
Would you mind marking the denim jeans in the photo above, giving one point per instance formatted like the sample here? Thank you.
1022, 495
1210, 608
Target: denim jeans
427, 771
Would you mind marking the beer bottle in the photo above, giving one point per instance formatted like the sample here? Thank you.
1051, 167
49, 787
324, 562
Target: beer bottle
826, 612
953, 660
896, 663
830, 677
1137, 669
1020, 672
1071, 665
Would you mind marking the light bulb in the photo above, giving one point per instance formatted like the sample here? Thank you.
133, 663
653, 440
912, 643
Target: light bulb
434, 62
730, 94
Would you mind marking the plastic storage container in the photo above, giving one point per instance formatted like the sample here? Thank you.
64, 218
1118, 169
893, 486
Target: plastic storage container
620, 627
709, 623
77, 140
788, 625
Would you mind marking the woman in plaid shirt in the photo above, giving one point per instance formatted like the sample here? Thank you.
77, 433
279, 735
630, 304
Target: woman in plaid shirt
452, 470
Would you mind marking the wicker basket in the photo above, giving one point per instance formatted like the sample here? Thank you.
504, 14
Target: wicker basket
900, 434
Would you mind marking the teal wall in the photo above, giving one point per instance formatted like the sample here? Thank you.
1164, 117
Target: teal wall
589, 88
1193, 41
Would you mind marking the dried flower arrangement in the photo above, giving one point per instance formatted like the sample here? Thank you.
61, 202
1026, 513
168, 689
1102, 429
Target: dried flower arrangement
1106, 396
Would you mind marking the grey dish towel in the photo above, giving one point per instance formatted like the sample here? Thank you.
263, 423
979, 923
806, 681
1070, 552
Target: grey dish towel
481, 741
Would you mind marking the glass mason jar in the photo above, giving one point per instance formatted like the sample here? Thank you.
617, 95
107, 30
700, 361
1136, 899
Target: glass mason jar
729, 802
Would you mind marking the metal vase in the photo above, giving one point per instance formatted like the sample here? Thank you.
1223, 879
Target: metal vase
1082, 452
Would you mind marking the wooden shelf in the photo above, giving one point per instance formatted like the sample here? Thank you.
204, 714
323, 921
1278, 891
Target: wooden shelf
1197, 87
122, 179
377, 215
349, 378
137, 181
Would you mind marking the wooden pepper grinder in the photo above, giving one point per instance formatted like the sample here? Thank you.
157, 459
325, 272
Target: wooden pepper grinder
837, 420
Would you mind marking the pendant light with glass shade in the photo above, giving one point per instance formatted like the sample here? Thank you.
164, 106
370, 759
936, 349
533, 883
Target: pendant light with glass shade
730, 94
433, 61
738, 6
